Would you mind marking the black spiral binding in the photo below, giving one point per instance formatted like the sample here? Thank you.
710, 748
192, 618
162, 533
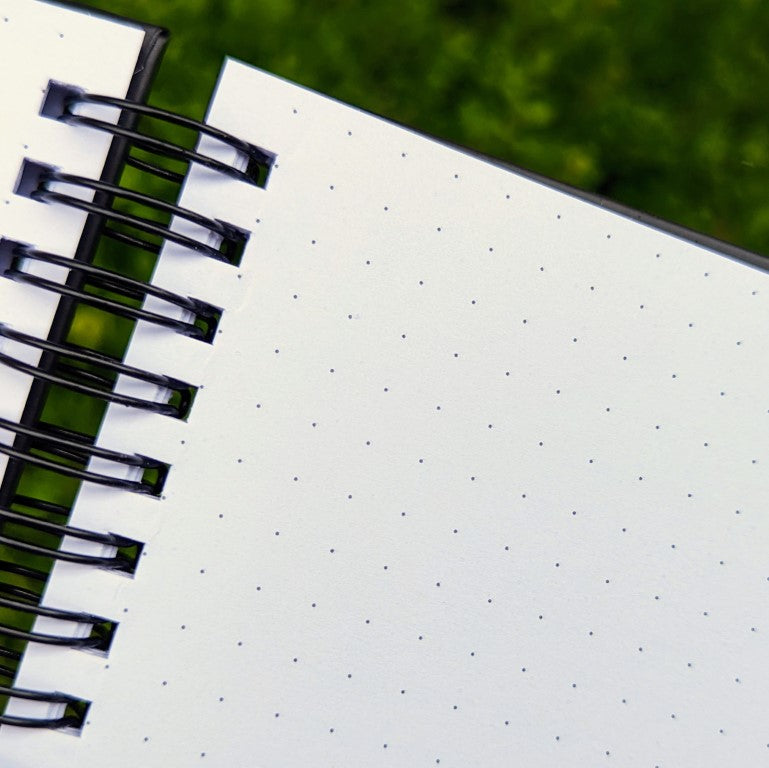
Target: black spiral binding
93, 374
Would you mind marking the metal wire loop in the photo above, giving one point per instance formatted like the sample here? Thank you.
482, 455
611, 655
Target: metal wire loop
90, 383
73, 447
231, 238
73, 719
256, 157
116, 562
205, 316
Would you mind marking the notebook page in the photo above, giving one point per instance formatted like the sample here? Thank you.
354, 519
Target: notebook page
476, 476
41, 42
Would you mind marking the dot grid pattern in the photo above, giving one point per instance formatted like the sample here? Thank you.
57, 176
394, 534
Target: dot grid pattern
476, 475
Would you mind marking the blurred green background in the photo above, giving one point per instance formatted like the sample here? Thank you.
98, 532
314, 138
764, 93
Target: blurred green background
660, 104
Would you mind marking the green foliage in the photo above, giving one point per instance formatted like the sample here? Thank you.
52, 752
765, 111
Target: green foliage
656, 104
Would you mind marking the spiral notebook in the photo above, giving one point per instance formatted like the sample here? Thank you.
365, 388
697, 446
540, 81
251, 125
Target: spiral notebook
413, 459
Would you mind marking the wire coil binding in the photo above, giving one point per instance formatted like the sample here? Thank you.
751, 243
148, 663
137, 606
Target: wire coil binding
35, 527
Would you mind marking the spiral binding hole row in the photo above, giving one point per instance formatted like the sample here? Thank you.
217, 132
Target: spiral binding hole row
36, 529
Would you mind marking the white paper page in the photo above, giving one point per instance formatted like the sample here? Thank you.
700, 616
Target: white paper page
477, 477
41, 42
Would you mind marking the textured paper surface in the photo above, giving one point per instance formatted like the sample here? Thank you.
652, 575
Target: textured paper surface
477, 477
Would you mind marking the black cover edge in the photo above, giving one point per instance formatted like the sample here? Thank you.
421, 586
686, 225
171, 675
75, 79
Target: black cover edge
720, 247
693, 236
150, 54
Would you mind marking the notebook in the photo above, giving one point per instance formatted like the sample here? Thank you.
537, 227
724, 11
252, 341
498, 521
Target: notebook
469, 468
